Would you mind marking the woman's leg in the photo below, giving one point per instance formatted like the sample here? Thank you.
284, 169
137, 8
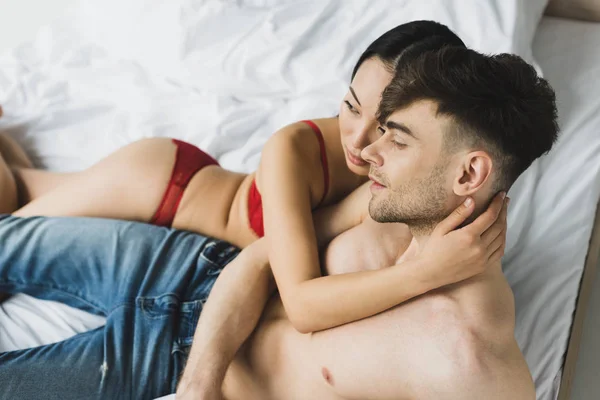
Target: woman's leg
11, 154
33, 183
20, 183
128, 184
8, 188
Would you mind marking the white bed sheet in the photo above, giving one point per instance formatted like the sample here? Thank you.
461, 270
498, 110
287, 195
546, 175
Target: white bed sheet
552, 213
70, 103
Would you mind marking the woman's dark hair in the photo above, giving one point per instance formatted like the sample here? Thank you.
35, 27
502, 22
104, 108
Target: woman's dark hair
407, 41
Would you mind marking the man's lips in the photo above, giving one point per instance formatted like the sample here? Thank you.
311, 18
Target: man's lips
355, 160
376, 183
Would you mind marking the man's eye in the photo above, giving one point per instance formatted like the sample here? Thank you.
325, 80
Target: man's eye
381, 130
351, 107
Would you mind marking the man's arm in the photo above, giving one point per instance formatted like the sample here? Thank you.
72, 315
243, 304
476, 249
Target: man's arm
239, 296
229, 316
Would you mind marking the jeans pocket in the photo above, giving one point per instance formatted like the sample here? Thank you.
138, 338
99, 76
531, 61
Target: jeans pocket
218, 254
159, 307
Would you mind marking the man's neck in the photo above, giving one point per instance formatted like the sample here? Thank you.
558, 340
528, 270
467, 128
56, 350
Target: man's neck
420, 239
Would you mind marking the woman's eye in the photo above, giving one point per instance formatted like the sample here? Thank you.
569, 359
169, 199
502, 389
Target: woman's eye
381, 130
401, 145
351, 107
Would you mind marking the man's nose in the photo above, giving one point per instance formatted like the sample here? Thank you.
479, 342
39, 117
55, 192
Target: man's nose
371, 155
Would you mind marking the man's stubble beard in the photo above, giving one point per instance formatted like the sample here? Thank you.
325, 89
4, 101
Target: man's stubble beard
419, 203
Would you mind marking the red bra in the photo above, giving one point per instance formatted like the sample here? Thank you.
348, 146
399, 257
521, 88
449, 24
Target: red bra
255, 211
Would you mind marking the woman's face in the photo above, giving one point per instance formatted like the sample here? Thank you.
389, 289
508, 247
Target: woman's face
358, 125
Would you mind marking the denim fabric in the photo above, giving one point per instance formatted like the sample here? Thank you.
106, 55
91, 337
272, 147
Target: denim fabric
149, 282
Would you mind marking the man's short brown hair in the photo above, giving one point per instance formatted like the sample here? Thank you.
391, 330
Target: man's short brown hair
497, 103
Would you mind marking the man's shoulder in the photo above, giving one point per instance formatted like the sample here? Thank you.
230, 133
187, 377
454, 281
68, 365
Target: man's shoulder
486, 370
462, 357
425, 348
474, 360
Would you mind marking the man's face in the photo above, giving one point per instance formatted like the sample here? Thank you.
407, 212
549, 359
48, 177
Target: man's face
412, 175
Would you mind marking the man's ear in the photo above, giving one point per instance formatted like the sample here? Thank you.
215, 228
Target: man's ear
473, 172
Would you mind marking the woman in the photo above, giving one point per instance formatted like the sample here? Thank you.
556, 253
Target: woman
304, 166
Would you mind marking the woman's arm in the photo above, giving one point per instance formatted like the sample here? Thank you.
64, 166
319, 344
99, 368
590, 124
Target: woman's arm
313, 302
333, 220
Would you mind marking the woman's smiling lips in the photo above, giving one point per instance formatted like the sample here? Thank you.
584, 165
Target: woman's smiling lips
359, 162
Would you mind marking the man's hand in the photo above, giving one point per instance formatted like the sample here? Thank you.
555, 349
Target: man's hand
458, 254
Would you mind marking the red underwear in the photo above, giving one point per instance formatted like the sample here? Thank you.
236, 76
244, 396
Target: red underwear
188, 160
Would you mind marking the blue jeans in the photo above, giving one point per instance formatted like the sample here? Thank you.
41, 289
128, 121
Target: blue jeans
149, 282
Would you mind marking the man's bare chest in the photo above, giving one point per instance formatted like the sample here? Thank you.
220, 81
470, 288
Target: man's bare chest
367, 246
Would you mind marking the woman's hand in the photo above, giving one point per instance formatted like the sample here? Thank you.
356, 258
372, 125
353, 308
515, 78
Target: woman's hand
453, 255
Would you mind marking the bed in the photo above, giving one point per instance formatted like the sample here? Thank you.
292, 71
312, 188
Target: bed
228, 74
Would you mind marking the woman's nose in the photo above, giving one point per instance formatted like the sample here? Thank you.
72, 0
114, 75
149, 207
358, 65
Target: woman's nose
361, 137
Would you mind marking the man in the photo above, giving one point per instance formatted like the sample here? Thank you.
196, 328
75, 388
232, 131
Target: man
455, 125
455, 342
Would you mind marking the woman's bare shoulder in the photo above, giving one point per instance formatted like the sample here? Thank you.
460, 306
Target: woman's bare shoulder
300, 136
327, 126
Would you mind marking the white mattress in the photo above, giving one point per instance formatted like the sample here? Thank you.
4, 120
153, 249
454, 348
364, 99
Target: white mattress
71, 102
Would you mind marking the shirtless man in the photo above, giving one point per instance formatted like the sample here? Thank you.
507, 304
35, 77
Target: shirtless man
455, 342
455, 125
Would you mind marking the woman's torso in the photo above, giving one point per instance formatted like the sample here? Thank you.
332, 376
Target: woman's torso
217, 199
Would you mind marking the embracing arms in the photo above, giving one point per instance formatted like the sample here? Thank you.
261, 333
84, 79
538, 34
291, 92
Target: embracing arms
241, 292
314, 302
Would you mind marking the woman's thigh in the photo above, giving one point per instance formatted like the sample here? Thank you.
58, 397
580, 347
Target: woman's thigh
33, 183
128, 184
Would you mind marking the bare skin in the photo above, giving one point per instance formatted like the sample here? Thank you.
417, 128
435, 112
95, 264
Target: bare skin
135, 178
129, 184
456, 342
11, 156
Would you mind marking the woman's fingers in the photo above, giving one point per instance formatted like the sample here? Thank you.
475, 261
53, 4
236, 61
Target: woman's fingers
489, 216
497, 255
497, 243
497, 227
457, 217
